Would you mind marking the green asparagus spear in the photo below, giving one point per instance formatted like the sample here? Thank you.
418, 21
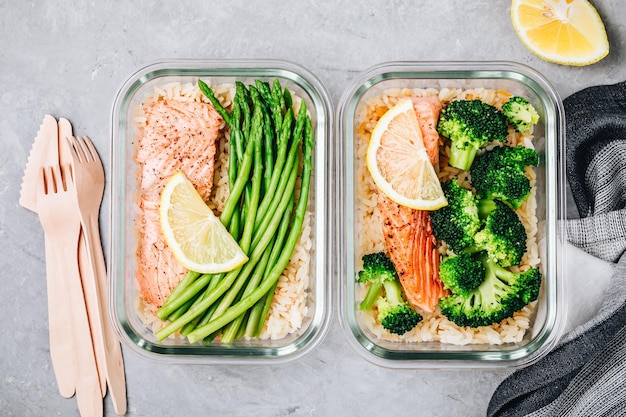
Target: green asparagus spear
256, 134
232, 329
240, 183
187, 280
186, 294
188, 328
259, 312
242, 95
206, 90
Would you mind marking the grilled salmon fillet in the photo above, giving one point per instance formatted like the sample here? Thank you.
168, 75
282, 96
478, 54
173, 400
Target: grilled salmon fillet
427, 110
176, 136
408, 233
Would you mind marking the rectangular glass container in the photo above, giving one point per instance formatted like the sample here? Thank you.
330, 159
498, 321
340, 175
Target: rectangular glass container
123, 289
547, 321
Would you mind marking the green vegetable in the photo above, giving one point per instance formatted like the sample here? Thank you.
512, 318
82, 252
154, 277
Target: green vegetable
461, 274
259, 311
215, 279
499, 296
252, 201
270, 168
503, 235
284, 163
499, 174
470, 124
377, 268
242, 178
231, 330
206, 90
394, 313
520, 114
242, 97
176, 300
278, 101
457, 223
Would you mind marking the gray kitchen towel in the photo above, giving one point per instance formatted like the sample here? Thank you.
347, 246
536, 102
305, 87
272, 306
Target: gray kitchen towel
585, 374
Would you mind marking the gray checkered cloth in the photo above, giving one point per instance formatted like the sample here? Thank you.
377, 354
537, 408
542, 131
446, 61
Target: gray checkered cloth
585, 374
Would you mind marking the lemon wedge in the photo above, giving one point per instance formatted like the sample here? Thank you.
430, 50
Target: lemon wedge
566, 32
399, 163
197, 237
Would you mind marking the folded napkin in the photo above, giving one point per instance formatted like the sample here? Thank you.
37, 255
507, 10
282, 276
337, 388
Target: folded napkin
584, 374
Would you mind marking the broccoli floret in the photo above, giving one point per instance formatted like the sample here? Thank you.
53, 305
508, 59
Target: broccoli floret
457, 223
469, 124
499, 173
503, 235
377, 268
520, 114
462, 273
499, 296
394, 313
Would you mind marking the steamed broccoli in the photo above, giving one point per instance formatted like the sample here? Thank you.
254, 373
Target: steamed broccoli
499, 173
501, 294
394, 313
503, 235
457, 222
469, 124
377, 269
461, 274
520, 114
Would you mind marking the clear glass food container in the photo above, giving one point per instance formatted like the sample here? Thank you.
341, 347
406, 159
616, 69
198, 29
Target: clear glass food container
546, 319
123, 289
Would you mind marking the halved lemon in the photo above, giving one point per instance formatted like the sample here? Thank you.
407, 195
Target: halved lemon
399, 163
566, 32
197, 237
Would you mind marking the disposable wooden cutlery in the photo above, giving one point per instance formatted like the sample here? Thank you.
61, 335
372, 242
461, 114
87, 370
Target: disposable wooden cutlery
88, 175
64, 184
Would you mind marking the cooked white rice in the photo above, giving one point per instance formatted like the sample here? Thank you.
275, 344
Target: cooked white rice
288, 311
434, 326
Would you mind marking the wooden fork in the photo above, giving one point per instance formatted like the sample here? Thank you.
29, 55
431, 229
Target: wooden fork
60, 220
88, 174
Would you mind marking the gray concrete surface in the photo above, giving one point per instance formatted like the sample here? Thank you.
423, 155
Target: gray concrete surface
70, 58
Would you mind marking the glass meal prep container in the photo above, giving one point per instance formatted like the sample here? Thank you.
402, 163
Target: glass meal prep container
545, 320
123, 289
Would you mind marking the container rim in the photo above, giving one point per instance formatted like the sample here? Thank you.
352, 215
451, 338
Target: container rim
556, 210
234, 68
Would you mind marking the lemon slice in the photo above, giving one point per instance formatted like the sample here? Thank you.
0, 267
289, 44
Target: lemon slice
197, 237
566, 32
399, 163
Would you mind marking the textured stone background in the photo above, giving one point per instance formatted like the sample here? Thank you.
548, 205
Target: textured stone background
70, 58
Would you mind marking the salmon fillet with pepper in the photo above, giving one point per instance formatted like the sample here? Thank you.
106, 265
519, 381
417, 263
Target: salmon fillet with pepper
427, 110
176, 136
408, 233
